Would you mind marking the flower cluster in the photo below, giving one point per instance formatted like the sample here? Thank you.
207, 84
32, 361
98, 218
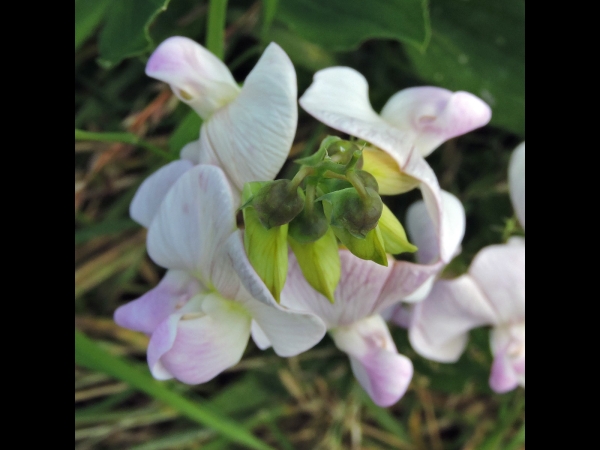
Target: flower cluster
314, 253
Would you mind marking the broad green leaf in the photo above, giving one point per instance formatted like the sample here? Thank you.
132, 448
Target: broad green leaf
320, 263
88, 15
187, 131
91, 355
126, 33
344, 24
479, 47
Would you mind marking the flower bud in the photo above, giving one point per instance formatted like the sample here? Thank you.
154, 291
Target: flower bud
353, 213
368, 180
277, 203
309, 227
342, 151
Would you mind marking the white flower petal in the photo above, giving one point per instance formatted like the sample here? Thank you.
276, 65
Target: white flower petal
499, 271
508, 347
191, 227
191, 152
153, 190
435, 114
196, 76
196, 349
339, 97
440, 323
259, 337
423, 233
376, 364
289, 332
147, 312
251, 137
516, 180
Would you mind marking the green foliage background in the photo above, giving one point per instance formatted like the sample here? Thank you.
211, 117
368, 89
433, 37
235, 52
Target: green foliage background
128, 125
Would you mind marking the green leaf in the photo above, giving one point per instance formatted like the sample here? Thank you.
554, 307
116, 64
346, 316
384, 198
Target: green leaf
88, 15
479, 47
320, 263
89, 354
187, 131
344, 24
126, 33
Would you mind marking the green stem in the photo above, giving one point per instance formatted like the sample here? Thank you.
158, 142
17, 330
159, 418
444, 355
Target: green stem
309, 202
358, 184
332, 174
125, 138
215, 30
301, 175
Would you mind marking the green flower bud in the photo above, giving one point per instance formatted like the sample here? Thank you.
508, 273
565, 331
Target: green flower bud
368, 180
308, 227
353, 213
342, 151
277, 203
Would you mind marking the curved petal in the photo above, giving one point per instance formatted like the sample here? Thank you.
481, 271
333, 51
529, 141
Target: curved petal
440, 323
508, 368
191, 152
516, 180
435, 114
192, 225
196, 349
356, 296
147, 312
251, 138
339, 97
376, 364
499, 270
153, 190
259, 337
423, 233
289, 332
196, 76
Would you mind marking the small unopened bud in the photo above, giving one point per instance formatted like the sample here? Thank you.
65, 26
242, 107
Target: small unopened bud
277, 203
368, 180
354, 213
342, 151
309, 227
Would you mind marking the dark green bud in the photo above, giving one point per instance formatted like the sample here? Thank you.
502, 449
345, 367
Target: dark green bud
368, 180
342, 151
355, 214
309, 227
277, 203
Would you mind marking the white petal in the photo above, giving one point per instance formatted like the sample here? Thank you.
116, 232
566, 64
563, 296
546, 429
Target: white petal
202, 346
289, 332
196, 76
440, 324
499, 270
191, 152
251, 137
516, 179
259, 337
153, 190
192, 225
152, 308
423, 233
339, 97
435, 114
376, 364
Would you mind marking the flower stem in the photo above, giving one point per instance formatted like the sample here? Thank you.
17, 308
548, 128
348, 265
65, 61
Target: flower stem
301, 175
358, 184
215, 30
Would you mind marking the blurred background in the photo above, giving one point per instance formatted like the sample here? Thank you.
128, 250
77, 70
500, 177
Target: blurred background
126, 127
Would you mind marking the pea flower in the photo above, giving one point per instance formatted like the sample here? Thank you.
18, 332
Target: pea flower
200, 314
246, 131
365, 290
412, 124
491, 293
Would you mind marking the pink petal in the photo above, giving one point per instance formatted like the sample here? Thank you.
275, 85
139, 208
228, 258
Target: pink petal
153, 190
376, 364
147, 312
435, 114
196, 76
516, 180
196, 349
191, 227
499, 271
251, 137
440, 323
508, 347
